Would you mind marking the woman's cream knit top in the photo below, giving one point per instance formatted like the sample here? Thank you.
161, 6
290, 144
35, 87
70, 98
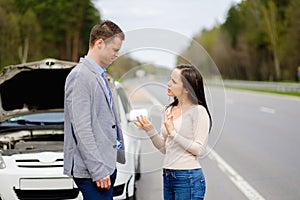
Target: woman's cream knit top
184, 145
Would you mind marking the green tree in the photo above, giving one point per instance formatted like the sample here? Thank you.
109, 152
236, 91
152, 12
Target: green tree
252, 43
64, 25
272, 30
9, 33
233, 24
32, 30
30, 37
291, 42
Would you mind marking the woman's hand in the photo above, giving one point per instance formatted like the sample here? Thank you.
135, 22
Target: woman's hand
143, 123
168, 121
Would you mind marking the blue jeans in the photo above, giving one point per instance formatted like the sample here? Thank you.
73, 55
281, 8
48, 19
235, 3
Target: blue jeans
90, 191
184, 184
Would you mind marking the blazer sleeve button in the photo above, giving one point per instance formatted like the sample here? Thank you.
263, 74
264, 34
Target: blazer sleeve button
114, 146
113, 126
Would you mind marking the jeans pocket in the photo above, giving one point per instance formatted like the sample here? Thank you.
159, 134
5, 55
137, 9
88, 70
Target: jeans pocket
198, 187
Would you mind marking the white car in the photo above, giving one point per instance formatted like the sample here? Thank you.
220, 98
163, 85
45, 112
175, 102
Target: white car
31, 134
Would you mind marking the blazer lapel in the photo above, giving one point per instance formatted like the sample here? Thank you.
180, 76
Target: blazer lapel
100, 82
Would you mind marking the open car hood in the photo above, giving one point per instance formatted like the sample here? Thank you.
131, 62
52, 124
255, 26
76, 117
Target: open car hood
33, 87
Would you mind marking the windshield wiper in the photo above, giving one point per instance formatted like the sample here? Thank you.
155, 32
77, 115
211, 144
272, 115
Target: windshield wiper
4, 129
37, 123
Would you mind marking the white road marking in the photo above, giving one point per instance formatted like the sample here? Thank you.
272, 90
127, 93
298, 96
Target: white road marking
267, 110
237, 179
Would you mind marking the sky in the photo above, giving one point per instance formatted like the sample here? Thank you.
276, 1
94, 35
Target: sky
156, 31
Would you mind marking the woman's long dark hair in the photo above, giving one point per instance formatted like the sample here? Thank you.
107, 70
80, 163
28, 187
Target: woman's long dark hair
193, 82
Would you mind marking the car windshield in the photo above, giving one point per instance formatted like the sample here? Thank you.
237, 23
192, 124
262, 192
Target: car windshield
51, 117
32, 133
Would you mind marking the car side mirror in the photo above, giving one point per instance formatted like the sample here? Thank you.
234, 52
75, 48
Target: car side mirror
131, 116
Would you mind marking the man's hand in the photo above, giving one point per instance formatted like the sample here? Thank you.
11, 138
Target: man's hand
104, 183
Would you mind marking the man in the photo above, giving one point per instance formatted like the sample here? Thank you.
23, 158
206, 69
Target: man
93, 140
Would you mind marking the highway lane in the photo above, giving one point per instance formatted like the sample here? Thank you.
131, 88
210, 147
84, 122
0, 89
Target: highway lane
260, 139
255, 135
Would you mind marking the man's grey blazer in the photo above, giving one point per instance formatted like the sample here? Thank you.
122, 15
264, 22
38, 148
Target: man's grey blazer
90, 126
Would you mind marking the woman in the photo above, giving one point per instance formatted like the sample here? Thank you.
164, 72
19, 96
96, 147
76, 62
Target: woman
184, 136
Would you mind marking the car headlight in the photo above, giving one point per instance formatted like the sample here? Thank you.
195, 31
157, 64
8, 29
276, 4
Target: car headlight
2, 163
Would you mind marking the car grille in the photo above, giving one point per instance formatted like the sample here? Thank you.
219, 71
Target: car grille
35, 163
46, 194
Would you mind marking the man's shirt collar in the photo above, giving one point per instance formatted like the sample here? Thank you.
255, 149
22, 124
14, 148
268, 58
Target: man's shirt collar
99, 69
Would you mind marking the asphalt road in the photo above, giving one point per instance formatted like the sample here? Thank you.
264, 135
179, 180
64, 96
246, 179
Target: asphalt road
254, 144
